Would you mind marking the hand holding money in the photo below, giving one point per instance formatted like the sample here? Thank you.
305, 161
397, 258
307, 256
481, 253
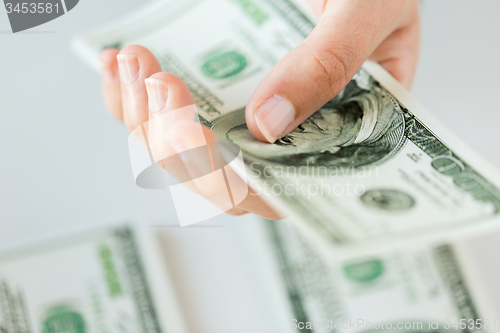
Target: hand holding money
348, 33
289, 93
136, 91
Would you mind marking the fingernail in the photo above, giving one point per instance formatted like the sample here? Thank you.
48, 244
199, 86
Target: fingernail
157, 94
273, 117
128, 64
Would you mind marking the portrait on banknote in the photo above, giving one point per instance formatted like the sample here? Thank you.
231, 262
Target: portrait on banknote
361, 126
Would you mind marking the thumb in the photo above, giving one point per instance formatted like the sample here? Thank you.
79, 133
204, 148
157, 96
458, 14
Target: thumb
317, 70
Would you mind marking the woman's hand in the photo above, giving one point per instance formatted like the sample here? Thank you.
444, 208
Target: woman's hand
349, 32
137, 92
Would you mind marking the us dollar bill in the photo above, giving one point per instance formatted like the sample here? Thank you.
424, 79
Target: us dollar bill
93, 282
372, 166
415, 290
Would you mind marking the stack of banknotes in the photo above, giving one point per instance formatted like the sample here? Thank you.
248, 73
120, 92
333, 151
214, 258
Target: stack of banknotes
116, 280
107, 280
368, 243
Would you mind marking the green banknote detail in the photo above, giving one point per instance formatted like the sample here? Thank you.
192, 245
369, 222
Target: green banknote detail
221, 65
449, 164
204, 98
253, 10
450, 270
111, 275
63, 319
137, 277
364, 271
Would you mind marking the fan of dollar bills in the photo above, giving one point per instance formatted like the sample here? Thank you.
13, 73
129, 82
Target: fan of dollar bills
406, 177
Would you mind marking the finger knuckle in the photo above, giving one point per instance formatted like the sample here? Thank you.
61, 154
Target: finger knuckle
333, 64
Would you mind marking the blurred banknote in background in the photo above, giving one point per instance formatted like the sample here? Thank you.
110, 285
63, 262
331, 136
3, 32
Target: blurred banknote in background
113, 280
412, 290
372, 166
103, 281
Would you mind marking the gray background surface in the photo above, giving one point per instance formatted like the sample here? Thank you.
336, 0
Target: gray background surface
64, 162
